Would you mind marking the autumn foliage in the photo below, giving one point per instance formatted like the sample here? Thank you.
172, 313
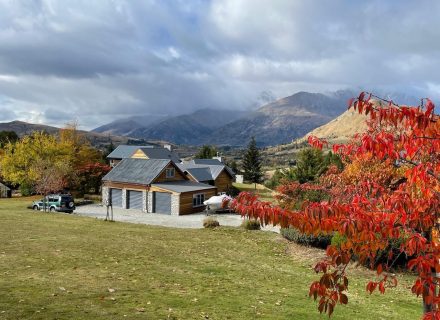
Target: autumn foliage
389, 190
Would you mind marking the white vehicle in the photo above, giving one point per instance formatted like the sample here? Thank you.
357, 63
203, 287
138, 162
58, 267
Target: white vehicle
216, 202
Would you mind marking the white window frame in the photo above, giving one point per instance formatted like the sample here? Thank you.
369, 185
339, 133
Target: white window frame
170, 172
199, 197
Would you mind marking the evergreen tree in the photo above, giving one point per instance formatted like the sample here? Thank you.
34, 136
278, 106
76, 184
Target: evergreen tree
206, 152
252, 163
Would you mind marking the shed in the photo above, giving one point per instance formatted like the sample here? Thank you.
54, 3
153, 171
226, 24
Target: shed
5, 191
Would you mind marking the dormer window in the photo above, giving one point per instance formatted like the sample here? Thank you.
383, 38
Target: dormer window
169, 173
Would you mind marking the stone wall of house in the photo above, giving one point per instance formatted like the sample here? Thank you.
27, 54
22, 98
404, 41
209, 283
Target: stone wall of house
124, 198
150, 202
175, 204
144, 201
105, 195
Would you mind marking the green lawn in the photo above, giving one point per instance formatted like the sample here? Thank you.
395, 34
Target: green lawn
56, 266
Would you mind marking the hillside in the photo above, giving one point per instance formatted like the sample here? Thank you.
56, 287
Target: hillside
282, 120
96, 139
188, 129
338, 130
274, 123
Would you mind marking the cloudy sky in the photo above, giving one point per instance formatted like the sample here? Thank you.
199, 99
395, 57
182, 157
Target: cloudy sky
96, 61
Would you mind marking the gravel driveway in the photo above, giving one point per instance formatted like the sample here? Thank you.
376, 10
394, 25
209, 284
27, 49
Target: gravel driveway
186, 221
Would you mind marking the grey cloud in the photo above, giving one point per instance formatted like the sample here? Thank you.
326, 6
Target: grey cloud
98, 61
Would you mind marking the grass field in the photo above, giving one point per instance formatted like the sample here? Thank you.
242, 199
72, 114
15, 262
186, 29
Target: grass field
57, 266
265, 194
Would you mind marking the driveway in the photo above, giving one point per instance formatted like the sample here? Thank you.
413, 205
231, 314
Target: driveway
186, 221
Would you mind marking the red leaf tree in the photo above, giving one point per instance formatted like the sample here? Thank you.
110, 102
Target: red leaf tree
394, 195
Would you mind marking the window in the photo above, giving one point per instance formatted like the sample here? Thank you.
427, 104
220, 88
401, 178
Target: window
169, 172
198, 199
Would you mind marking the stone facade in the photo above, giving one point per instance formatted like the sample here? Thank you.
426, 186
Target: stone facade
105, 195
124, 198
175, 204
144, 201
149, 202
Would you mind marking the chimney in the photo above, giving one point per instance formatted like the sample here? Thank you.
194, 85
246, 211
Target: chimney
168, 146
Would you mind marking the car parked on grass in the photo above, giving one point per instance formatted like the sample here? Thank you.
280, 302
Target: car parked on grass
55, 202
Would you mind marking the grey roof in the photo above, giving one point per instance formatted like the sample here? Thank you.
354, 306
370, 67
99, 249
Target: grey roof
200, 171
207, 161
139, 171
160, 153
201, 174
124, 151
183, 186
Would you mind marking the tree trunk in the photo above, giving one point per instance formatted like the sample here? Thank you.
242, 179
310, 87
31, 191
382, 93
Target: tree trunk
428, 307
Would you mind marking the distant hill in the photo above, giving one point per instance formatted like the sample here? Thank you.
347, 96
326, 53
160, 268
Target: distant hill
191, 129
281, 121
339, 130
96, 139
126, 126
274, 123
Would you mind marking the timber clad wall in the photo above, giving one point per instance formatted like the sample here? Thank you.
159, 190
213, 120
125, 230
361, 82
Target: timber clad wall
177, 175
223, 182
186, 201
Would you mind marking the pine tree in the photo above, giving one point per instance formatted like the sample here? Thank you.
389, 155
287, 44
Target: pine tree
206, 152
252, 163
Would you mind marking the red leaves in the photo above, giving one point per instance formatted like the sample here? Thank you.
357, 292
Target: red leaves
389, 190
316, 142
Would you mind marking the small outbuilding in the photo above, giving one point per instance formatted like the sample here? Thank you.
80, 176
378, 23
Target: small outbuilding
5, 191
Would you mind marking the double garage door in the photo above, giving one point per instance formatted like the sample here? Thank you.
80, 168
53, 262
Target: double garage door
161, 200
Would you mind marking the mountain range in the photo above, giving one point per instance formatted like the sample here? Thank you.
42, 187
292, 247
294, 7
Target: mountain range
274, 123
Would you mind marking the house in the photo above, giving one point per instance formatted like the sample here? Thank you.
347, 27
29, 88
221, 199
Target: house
209, 171
141, 152
122, 152
154, 185
5, 191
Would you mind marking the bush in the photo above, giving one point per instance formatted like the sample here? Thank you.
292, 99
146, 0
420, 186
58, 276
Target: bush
294, 235
233, 191
251, 224
210, 222
337, 240
26, 190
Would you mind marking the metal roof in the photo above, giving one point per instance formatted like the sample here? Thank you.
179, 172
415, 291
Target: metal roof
3, 186
125, 151
200, 174
183, 186
139, 171
207, 161
160, 153
200, 170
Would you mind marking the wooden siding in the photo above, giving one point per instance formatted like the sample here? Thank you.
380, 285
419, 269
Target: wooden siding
128, 186
223, 181
186, 201
178, 176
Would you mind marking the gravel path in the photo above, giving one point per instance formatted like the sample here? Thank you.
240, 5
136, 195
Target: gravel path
186, 221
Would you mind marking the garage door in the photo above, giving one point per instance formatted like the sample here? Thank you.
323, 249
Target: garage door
116, 197
162, 202
134, 200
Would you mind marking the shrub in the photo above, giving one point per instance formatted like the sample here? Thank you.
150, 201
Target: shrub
233, 191
251, 224
337, 240
294, 235
210, 222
